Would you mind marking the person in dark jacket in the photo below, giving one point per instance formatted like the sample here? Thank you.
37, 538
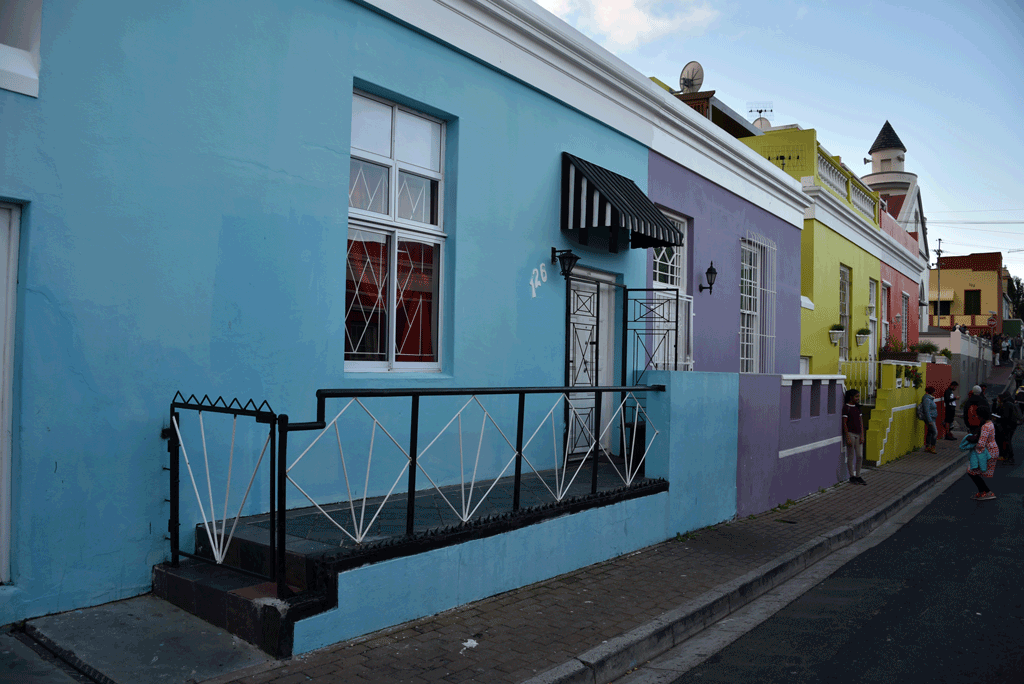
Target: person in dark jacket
1006, 424
949, 398
971, 419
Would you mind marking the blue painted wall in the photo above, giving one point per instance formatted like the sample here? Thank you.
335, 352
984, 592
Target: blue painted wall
697, 453
183, 175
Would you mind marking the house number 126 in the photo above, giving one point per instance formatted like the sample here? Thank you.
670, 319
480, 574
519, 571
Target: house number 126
539, 276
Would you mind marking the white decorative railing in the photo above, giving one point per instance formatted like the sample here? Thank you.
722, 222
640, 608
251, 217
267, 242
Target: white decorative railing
831, 174
863, 201
861, 375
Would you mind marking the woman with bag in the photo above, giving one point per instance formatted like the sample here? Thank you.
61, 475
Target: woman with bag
983, 455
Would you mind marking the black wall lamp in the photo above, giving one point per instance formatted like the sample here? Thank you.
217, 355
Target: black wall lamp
566, 260
710, 274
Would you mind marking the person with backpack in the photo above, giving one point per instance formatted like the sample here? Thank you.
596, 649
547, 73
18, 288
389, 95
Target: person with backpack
1009, 417
928, 412
974, 400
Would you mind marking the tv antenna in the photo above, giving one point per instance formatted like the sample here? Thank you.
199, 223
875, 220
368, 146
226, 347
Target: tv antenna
691, 78
760, 108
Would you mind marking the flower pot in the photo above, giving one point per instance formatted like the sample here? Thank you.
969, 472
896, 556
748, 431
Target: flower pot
835, 336
899, 383
861, 339
926, 358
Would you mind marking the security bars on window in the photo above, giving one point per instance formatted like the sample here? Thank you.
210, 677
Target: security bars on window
844, 311
757, 304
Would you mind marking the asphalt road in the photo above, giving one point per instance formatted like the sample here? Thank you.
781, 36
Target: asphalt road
940, 600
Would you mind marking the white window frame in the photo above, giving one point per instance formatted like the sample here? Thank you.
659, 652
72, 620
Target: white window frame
6, 386
397, 229
884, 306
675, 272
905, 322
845, 309
20, 23
757, 304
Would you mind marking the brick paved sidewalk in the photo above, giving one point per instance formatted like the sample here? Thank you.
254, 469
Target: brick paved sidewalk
520, 634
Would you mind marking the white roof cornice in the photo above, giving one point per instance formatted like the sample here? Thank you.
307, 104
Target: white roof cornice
523, 40
844, 221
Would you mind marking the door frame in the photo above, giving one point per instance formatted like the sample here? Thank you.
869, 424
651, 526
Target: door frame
605, 336
8, 311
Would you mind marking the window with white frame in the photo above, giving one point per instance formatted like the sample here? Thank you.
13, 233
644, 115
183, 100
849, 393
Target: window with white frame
671, 310
884, 306
757, 304
845, 294
905, 319
20, 22
395, 257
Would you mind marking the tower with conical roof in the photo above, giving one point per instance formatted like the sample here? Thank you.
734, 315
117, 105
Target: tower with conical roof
887, 152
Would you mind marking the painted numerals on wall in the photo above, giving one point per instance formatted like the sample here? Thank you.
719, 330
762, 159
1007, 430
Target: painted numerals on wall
538, 277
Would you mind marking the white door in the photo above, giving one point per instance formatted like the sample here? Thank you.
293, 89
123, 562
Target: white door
591, 352
10, 218
873, 339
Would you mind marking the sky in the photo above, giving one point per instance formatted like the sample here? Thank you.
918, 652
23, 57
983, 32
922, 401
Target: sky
948, 76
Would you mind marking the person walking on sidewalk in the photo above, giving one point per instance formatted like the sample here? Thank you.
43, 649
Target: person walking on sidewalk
929, 412
980, 468
949, 399
1009, 417
853, 435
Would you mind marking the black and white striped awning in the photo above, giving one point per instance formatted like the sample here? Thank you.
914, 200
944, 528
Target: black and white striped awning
599, 202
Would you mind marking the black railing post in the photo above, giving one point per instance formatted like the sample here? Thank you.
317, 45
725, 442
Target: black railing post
282, 507
519, 452
410, 514
173, 521
272, 558
598, 396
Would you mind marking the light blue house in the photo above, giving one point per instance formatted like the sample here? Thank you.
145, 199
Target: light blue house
259, 203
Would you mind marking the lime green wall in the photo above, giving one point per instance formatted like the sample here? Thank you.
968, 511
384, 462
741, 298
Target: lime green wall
894, 429
823, 252
800, 149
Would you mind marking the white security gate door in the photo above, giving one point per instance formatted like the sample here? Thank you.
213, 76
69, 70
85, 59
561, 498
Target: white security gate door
591, 352
10, 218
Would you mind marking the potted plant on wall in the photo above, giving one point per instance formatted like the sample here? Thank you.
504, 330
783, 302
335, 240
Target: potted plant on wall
893, 350
926, 351
862, 336
835, 333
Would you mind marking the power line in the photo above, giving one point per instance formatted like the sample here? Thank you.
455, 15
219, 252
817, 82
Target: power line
971, 211
980, 223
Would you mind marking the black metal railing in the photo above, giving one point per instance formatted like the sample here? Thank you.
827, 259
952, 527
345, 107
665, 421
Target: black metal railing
278, 499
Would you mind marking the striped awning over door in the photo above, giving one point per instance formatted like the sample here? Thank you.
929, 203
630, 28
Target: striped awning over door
599, 202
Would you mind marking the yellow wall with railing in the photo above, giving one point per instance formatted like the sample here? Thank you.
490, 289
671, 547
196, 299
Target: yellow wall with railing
893, 429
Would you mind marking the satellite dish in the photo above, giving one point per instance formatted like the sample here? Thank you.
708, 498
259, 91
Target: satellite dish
691, 78
762, 123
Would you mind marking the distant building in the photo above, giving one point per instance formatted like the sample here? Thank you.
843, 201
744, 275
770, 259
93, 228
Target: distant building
968, 290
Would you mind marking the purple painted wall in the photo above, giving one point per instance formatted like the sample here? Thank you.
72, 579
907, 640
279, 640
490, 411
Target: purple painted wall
771, 423
719, 220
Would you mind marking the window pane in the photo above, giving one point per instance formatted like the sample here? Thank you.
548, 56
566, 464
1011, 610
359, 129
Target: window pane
417, 298
366, 296
417, 198
418, 141
371, 126
368, 186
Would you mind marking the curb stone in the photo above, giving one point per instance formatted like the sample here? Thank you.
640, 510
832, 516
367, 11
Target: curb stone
614, 658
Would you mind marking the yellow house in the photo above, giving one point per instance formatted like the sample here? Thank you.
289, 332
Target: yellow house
967, 290
840, 249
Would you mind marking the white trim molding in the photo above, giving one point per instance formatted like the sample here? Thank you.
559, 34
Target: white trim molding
829, 210
788, 378
806, 303
10, 287
810, 447
525, 41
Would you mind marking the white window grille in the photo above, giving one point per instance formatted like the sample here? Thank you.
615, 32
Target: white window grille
844, 311
757, 304
395, 262
669, 270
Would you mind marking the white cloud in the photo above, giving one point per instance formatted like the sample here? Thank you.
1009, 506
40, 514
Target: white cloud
802, 12
622, 25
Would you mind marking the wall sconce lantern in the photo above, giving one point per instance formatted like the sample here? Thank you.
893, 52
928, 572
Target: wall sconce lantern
710, 274
566, 260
